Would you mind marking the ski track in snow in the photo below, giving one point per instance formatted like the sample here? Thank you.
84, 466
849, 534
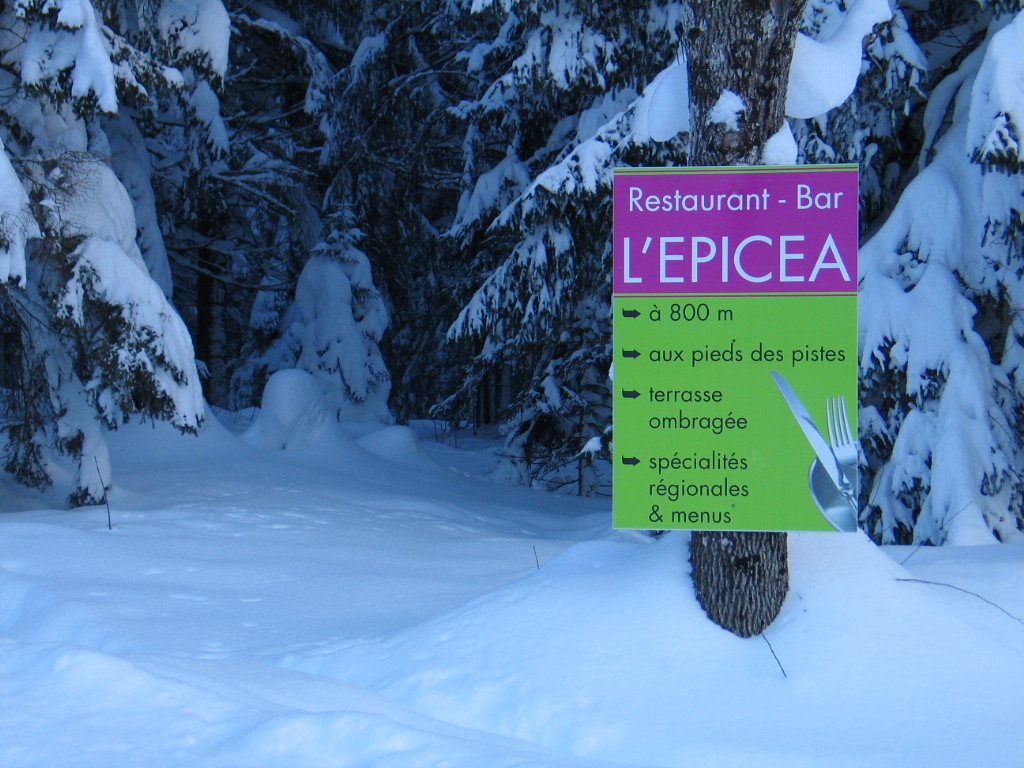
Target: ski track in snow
332, 607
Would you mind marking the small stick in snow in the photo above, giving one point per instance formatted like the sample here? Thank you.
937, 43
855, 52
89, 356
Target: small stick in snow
765, 638
106, 500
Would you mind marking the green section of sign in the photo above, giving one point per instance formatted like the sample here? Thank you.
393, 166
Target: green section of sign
703, 437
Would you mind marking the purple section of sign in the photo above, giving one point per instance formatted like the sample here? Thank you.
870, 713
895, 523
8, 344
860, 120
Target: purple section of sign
736, 230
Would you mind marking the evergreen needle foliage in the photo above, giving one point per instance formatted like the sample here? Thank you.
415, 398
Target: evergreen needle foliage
411, 202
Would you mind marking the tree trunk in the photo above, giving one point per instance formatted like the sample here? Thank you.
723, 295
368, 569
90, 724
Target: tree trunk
743, 46
741, 579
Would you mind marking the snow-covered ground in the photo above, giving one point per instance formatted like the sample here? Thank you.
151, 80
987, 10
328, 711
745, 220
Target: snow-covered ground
375, 601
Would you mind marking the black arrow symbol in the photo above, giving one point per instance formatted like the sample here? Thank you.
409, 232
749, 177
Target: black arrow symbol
631, 313
630, 353
630, 393
631, 461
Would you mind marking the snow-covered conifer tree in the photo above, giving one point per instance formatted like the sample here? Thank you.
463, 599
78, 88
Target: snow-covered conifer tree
557, 106
941, 344
99, 341
394, 165
333, 328
282, 227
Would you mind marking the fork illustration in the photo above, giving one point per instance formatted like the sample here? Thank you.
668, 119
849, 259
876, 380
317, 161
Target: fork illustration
840, 437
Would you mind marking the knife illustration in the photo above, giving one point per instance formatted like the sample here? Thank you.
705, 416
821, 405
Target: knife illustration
821, 448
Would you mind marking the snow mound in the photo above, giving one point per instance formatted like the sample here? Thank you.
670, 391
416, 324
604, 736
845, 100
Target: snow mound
293, 413
161, 641
395, 443
136, 718
605, 653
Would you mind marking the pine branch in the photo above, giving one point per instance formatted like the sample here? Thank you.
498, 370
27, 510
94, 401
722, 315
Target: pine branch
283, 286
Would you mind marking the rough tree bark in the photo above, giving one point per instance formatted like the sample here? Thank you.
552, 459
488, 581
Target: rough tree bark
744, 46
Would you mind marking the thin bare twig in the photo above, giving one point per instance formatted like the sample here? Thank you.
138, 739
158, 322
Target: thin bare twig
106, 499
966, 592
765, 638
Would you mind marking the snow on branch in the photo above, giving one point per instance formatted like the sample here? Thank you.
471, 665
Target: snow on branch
16, 222
74, 44
824, 73
940, 284
997, 103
